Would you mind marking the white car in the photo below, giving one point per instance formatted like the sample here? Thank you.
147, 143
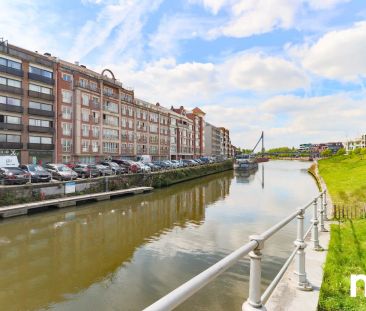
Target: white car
144, 168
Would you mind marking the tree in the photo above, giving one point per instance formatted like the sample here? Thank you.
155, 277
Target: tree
357, 151
341, 151
326, 153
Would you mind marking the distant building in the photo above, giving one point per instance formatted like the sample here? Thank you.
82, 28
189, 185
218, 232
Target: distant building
359, 142
212, 140
305, 147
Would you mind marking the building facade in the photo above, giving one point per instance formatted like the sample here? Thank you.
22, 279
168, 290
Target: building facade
52, 110
27, 104
212, 140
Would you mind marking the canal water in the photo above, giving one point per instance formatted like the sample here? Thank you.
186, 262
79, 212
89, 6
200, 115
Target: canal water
126, 253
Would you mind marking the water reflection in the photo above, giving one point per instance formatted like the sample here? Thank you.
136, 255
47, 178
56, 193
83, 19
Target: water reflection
47, 256
125, 254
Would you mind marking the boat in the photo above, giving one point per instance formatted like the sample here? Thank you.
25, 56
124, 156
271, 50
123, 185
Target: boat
262, 159
247, 165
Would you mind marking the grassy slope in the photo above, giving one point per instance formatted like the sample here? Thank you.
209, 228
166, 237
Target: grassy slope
346, 256
345, 178
346, 181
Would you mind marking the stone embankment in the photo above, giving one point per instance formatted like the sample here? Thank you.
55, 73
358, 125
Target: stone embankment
27, 193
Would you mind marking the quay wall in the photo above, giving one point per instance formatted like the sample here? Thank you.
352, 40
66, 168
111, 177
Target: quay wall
27, 193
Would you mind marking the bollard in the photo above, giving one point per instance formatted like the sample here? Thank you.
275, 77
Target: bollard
325, 206
315, 233
254, 301
302, 283
322, 228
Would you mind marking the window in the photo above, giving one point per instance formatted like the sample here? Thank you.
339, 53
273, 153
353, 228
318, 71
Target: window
42, 123
66, 77
154, 117
85, 145
66, 112
110, 134
85, 130
66, 96
85, 99
124, 122
10, 82
95, 116
9, 119
9, 138
41, 72
66, 129
95, 131
95, 146
109, 147
66, 158
126, 97
66, 145
153, 128
10, 63
110, 120
107, 91
85, 115
40, 140
40, 89
40, 106
83, 83
110, 106
93, 86
10, 101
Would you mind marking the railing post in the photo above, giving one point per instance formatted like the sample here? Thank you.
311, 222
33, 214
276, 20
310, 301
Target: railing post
325, 206
254, 301
315, 233
322, 228
302, 283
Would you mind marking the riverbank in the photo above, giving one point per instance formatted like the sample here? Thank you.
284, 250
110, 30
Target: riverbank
10, 195
345, 180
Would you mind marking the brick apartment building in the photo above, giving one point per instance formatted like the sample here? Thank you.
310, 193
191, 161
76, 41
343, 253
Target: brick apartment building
27, 104
52, 110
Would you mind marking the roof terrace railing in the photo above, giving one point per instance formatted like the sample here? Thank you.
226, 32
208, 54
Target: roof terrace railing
256, 300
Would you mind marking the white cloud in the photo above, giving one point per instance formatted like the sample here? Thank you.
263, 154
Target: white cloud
124, 20
338, 54
256, 72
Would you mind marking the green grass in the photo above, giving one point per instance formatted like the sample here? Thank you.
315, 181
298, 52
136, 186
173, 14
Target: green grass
346, 256
345, 177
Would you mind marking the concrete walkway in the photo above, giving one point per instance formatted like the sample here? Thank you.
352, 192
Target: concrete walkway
286, 297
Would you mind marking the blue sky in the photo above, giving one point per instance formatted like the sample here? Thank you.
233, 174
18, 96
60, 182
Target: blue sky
295, 69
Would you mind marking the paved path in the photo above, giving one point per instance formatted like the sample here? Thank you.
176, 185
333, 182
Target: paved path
286, 297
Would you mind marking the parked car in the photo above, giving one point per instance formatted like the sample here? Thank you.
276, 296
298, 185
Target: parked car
61, 171
189, 162
86, 170
13, 176
71, 164
176, 163
37, 172
144, 168
131, 166
117, 169
104, 170
162, 165
153, 166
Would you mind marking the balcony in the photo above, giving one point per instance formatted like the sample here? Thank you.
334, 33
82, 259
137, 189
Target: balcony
9, 145
127, 151
40, 129
11, 71
41, 95
9, 126
87, 87
40, 112
40, 78
112, 95
94, 105
32, 146
142, 140
11, 89
12, 108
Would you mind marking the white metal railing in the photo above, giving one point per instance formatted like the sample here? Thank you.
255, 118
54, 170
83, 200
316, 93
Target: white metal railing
256, 300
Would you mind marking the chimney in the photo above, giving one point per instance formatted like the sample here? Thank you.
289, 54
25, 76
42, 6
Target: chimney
47, 54
157, 104
76, 63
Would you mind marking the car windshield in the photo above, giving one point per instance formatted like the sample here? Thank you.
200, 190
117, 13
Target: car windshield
63, 168
13, 169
